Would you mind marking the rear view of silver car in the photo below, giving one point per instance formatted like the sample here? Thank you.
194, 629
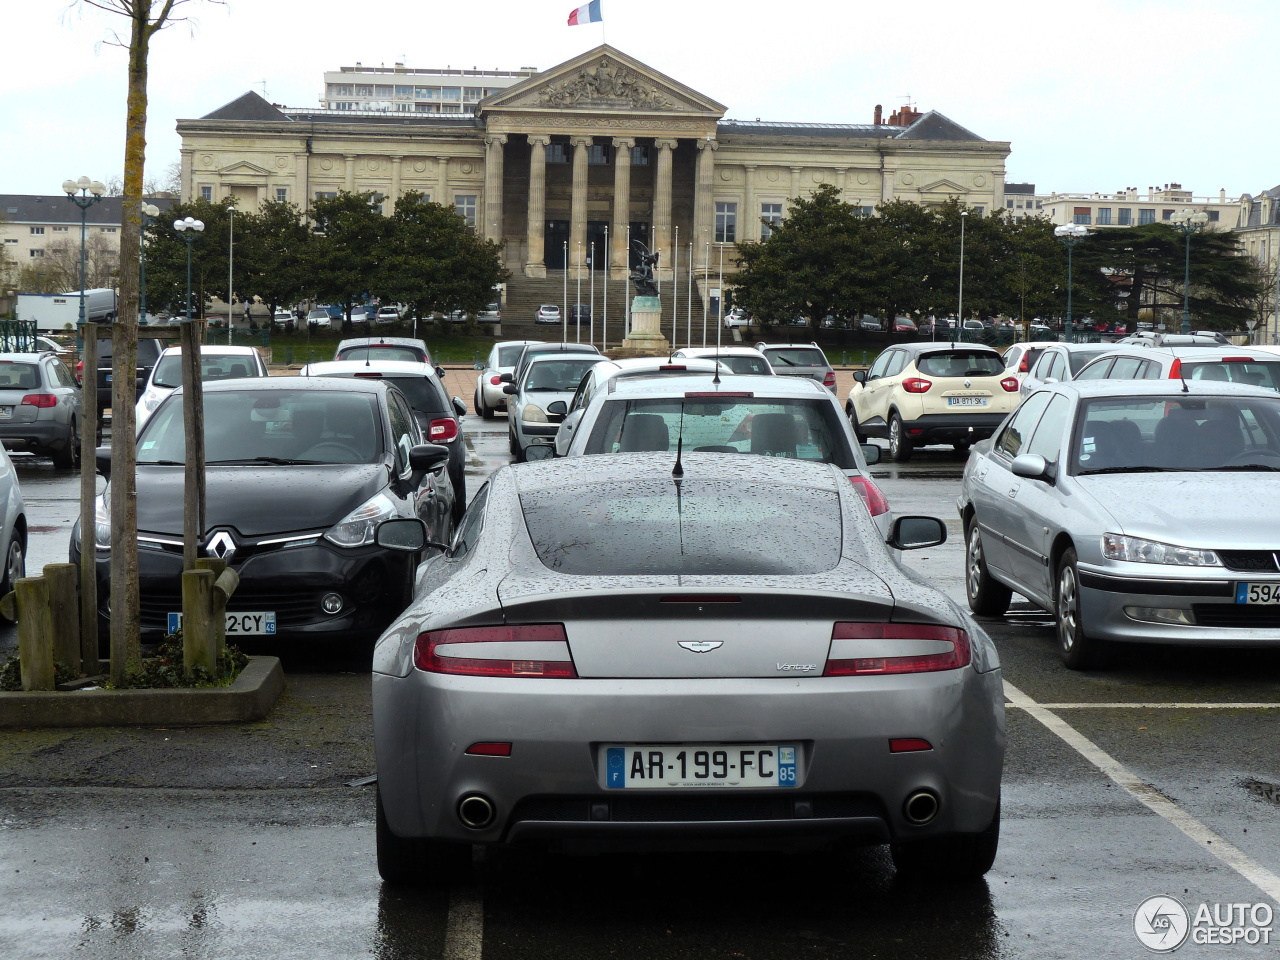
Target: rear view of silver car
643, 651
40, 407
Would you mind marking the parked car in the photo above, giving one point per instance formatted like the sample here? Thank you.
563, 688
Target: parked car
320, 319
578, 313
608, 374
489, 396
22, 344
916, 394
737, 317
439, 416
547, 313
284, 319
299, 472
1235, 364
737, 358
13, 528
1020, 357
360, 316
545, 380
870, 324
216, 363
905, 325
149, 350
492, 313
799, 360
1129, 510
536, 348
608, 658
1059, 362
40, 409
783, 417
388, 315
407, 349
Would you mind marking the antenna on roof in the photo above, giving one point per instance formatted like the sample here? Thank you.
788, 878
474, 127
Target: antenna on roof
678, 470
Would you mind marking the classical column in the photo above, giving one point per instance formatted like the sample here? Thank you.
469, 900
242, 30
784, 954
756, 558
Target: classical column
442, 181
662, 209
351, 172
535, 264
578, 205
841, 179
620, 263
395, 185
749, 222
703, 210
188, 176
493, 187
302, 191
795, 183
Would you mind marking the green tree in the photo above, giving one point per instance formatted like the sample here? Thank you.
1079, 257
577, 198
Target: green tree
274, 246
345, 251
432, 260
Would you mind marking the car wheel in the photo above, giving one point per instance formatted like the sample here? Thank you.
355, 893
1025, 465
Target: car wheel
69, 456
15, 565
987, 596
418, 861
962, 857
1078, 650
513, 444
900, 448
486, 412
853, 422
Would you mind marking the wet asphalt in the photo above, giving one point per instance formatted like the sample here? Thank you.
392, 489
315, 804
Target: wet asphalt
256, 840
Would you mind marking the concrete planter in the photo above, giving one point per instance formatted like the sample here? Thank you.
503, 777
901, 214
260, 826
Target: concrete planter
250, 697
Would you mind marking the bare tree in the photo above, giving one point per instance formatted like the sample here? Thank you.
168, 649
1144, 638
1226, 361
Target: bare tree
146, 18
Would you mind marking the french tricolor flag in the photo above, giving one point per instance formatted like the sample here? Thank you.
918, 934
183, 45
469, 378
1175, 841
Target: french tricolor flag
587, 14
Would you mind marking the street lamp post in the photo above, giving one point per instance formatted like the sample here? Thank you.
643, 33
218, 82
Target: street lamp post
964, 214
149, 213
188, 229
1070, 234
1188, 221
84, 193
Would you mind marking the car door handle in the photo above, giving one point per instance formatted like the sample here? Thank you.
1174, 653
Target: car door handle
1013, 491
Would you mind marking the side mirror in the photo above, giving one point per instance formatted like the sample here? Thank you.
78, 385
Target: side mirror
424, 458
557, 409
477, 366
871, 453
440, 371
510, 389
860, 376
1032, 466
102, 458
506, 378
914, 533
539, 451
459, 407
405, 534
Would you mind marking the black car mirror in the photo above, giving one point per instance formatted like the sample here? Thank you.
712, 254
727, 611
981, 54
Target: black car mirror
506, 378
914, 533
860, 376
102, 458
439, 371
459, 407
406, 534
477, 366
871, 453
427, 456
557, 409
510, 389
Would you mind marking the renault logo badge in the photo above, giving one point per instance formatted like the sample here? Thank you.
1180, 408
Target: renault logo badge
221, 545
701, 646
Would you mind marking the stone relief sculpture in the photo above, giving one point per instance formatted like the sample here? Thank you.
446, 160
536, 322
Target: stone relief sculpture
607, 83
642, 276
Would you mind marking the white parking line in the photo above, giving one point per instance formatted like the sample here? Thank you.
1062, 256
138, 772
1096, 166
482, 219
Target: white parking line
1159, 706
1228, 853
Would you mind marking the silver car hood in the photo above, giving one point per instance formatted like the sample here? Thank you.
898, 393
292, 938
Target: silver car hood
1193, 509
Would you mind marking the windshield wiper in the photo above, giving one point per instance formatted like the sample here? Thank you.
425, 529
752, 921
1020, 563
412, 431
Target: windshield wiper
275, 461
1246, 466
1144, 469
161, 463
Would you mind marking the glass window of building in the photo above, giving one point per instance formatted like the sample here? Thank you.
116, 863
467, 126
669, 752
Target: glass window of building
282, 194
465, 207
597, 154
1009, 204
1166, 214
403, 93
726, 222
557, 153
1126, 216
206, 193
35, 252
450, 108
1213, 216
640, 156
364, 90
471, 94
1104, 216
771, 214
1146, 216
37, 231
326, 194
426, 93
383, 90
1083, 215
450, 93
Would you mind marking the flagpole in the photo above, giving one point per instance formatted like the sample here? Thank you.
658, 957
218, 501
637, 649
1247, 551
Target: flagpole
720, 301
564, 300
706, 275
626, 300
604, 312
591, 293
688, 300
577, 316
675, 290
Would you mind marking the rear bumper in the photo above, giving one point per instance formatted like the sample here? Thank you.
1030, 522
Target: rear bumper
952, 427
46, 434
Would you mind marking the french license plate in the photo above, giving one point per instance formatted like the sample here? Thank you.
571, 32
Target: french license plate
966, 401
238, 623
685, 765
1258, 593
6, 413
108, 378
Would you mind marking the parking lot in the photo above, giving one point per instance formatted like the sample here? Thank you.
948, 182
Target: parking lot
1156, 777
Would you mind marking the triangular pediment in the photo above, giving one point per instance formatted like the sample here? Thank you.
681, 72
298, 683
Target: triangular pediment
243, 169
949, 187
602, 80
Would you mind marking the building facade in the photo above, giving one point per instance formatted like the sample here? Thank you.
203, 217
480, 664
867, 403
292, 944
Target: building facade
401, 89
1258, 224
602, 145
1129, 208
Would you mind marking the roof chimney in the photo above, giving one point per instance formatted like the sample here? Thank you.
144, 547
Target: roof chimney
879, 115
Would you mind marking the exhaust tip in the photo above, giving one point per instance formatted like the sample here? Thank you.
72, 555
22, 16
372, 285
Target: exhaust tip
921, 807
476, 811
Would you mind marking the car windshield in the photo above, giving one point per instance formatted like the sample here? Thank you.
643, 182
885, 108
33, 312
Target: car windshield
961, 363
746, 364
1259, 373
1078, 358
271, 426
738, 528
213, 366
798, 357
1177, 432
422, 393
383, 351
803, 429
19, 376
557, 375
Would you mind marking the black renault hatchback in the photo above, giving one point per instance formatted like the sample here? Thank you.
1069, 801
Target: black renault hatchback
299, 473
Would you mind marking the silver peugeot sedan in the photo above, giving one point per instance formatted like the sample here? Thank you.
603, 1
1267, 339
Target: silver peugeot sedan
1134, 511
645, 649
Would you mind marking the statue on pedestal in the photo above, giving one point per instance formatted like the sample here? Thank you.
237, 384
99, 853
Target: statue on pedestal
642, 276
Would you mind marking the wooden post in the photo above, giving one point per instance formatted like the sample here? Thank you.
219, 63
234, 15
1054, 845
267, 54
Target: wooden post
220, 595
64, 613
197, 620
35, 633
193, 423
88, 493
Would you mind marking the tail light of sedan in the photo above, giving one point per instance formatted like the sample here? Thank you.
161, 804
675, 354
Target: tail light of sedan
829, 379
871, 495
916, 385
40, 400
513, 650
80, 371
878, 649
496, 380
1010, 384
442, 431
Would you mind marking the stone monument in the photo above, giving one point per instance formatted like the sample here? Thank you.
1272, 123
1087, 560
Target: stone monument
645, 338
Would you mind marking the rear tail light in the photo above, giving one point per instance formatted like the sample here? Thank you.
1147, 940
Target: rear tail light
673, 366
39, 400
876, 503
829, 378
1024, 365
80, 371
488, 651
904, 745
916, 385
503, 749
1010, 384
442, 431
873, 649
496, 379
1175, 371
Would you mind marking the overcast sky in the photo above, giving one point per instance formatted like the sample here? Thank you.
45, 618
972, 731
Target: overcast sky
1093, 95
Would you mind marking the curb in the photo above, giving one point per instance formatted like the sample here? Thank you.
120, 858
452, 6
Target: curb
250, 697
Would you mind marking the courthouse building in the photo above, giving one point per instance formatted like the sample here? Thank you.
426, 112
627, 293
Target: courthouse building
601, 144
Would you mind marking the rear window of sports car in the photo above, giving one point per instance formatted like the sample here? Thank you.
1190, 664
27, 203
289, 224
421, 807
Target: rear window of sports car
736, 528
